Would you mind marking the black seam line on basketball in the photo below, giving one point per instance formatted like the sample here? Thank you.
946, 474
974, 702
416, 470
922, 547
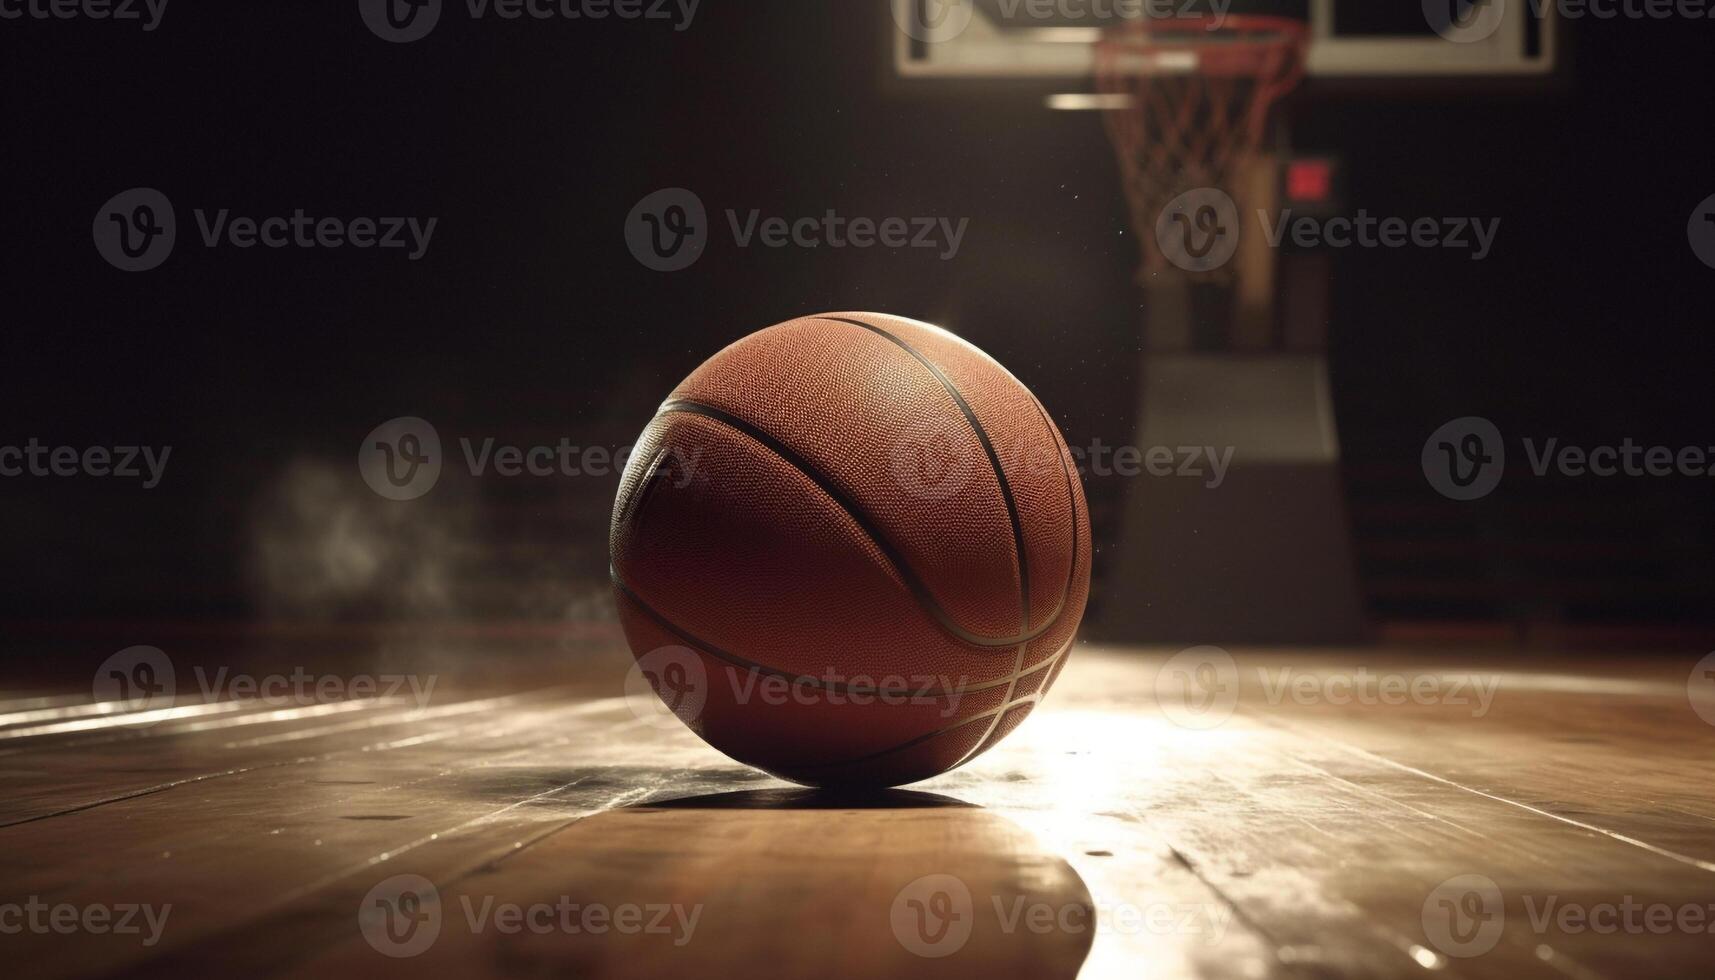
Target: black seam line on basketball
1054, 436
737, 661
988, 447
918, 590
1018, 530
996, 713
642, 487
1071, 570
1071, 488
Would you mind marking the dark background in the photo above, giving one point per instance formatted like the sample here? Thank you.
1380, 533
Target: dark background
528, 320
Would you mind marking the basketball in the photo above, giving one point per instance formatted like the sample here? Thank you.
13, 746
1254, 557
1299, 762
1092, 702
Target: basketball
851, 549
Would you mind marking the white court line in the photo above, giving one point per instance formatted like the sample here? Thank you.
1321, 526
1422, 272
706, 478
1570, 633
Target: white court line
1656, 849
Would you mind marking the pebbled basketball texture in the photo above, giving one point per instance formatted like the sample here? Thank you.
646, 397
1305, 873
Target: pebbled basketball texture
851, 549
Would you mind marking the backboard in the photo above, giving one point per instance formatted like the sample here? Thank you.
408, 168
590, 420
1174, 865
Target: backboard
1050, 41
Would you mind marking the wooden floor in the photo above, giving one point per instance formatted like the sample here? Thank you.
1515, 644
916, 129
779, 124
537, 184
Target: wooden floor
1546, 818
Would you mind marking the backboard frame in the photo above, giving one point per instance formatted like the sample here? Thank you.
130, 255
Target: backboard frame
1524, 51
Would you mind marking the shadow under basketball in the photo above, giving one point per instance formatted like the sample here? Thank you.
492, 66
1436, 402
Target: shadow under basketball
897, 884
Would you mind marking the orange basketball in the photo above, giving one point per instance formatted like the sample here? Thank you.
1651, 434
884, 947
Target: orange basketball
851, 549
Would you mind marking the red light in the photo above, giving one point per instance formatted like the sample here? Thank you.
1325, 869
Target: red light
1310, 180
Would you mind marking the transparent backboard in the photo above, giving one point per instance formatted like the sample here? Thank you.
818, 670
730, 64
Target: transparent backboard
1049, 40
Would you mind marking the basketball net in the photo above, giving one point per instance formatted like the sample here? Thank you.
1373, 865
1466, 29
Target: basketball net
1191, 98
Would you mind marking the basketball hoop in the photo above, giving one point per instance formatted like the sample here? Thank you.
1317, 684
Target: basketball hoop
1189, 102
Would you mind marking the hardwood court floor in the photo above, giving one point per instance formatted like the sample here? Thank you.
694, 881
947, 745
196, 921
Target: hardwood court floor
1542, 818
